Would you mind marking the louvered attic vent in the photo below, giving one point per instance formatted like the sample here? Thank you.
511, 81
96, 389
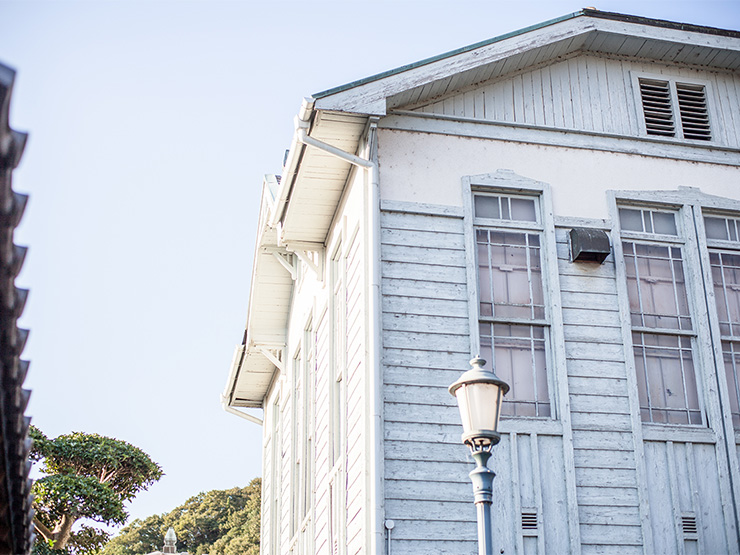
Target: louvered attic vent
688, 523
692, 102
658, 108
529, 519
656, 105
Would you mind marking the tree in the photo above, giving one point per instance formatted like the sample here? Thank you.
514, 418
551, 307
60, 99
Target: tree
86, 477
218, 522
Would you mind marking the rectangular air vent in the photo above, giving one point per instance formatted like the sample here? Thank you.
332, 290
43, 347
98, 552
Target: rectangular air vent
656, 105
692, 103
688, 524
529, 519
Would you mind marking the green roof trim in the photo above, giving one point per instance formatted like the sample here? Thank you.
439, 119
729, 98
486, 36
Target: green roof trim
584, 12
450, 54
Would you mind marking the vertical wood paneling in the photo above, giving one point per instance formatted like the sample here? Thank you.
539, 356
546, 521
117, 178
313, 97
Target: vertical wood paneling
679, 482
586, 92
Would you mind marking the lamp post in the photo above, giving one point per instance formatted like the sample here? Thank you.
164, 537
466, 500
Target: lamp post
479, 393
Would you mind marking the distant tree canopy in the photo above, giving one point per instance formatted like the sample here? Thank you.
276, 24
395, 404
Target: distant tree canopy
218, 522
85, 477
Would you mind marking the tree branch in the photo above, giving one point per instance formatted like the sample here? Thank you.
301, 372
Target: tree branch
42, 529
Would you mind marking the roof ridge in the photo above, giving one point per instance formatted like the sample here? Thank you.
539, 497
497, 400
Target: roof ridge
590, 12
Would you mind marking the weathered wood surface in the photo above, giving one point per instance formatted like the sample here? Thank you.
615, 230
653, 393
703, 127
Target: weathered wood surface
426, 346
603, 445
355, 400
682, 478
588, 93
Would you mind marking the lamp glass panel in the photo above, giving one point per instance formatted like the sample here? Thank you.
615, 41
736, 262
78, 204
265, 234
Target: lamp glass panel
480, 406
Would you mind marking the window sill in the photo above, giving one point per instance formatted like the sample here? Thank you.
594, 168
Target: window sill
524, 425
678, 433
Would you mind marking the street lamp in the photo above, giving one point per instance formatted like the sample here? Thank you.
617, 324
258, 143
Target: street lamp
479, 394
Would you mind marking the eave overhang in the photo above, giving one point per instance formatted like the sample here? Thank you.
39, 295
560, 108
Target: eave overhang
253, 367
296, 213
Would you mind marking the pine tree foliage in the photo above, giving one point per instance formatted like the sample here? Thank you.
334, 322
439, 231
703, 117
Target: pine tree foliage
86, 478
218, 522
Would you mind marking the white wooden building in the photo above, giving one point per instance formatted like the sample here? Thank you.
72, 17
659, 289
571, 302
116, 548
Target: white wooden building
423, 216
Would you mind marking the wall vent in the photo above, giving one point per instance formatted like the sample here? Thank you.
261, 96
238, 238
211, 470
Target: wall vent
656, 105
688, 523
692, 103
661, 98
529, 519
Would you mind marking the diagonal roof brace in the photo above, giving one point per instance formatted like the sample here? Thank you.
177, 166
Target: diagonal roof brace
282, 258
302, 250
274, 355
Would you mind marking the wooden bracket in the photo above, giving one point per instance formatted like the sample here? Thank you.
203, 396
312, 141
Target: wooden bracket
283, 259
302, 251
274, 355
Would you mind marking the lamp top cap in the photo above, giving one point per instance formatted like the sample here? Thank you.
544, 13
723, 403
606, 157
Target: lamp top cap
477, 361
478, 374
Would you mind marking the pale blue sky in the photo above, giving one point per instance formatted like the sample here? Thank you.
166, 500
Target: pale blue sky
151, 124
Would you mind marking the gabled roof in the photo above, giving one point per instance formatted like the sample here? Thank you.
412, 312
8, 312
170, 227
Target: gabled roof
299, 210
587, 30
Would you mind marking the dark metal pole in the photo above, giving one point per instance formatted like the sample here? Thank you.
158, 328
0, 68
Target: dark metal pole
482, 478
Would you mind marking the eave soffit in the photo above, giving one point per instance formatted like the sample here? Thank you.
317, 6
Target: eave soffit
584, 31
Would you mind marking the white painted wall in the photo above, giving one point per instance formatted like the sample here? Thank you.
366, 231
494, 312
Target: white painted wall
427, 168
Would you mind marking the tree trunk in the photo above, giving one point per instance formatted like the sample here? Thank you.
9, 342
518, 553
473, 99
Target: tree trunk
63, 532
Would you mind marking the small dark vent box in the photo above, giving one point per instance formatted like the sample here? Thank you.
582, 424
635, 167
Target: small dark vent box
588, 245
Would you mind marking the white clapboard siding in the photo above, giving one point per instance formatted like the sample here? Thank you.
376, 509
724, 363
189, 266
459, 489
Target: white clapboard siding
426, 346
286, 497
603, 444
267, 494
588, 93
322, 432
355, 376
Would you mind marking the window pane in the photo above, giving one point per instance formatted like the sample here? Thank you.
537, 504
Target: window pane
648, 221
656, 286
523, 209
509, 275
505, 208
716, 228
731, 356
665, 379
487, 207
630, 219
664, 223
726, 280
518, 352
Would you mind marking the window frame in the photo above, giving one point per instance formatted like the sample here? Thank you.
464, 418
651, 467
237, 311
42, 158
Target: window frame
715, 135
507, 183
690, 205
724, 246
681, 241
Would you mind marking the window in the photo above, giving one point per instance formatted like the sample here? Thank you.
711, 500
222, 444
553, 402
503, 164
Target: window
724, 259
512, 315
662, 327
337, 400
673, 109
297, 395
